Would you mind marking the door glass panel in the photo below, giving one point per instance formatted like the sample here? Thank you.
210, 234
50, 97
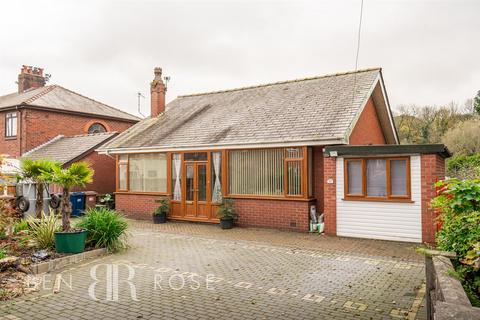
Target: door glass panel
189, 182
202, 182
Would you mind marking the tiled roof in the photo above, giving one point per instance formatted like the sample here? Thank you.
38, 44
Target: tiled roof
57, 97
65, 149
311, 109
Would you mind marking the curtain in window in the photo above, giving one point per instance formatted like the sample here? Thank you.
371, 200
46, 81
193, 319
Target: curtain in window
398, 176
294, 171
376, 178
148, 172
217, 186
256, 172
122, 172
354, 173
176, 175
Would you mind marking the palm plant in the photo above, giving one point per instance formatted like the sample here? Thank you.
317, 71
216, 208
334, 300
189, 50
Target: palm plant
38, 171
78, 174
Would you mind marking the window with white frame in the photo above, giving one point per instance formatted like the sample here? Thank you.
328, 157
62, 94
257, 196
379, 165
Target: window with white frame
11, 124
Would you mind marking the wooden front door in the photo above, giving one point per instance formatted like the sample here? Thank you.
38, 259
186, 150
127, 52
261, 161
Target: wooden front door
196, 190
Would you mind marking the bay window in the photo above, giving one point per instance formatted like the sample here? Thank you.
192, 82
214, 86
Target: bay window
377, 178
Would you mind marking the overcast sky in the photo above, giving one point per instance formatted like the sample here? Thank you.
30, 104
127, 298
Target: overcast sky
429, 50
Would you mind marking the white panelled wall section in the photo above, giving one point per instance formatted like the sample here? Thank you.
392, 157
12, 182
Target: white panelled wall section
399, 221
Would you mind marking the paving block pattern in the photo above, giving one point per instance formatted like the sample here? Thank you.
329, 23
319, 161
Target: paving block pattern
242, 274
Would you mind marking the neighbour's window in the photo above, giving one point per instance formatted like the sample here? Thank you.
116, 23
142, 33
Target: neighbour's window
143, 172
266, 172
377, 178
11, 124
97, 128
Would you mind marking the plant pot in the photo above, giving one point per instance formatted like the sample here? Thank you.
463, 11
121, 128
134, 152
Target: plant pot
159, 218
70, 242
226, 223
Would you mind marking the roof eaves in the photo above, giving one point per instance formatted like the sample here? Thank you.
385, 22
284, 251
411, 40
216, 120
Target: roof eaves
376, 150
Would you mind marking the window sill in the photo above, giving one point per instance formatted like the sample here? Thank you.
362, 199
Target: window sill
253, 197
378, 200
143, 193
11, 138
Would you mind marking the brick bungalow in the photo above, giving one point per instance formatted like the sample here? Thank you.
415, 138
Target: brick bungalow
276, 150
37, 113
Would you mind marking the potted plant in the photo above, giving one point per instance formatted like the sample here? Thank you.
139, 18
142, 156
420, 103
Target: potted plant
160, 214
108, 201
70, 240
227, 214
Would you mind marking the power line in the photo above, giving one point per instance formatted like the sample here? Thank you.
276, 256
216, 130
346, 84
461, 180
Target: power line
359, 35
358, 52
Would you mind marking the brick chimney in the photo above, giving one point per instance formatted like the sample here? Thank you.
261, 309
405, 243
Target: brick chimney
30, 77
157, 93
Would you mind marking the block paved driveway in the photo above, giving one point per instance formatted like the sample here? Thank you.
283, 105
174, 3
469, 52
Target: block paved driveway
193, 271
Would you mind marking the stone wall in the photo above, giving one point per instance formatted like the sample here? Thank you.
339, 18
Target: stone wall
446, 298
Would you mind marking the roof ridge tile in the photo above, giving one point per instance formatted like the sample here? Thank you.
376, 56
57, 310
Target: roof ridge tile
91, 99
46, 90
282, 82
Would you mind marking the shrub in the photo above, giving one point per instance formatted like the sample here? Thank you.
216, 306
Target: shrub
459, 204
20, 225
227, 210
163, 208
42, 231
464, 167
106, 228
3, 253
464, 139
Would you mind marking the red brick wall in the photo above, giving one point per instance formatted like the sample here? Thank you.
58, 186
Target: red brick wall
41, 126
137, 206
278, 214
104, 176
318, 177
329, 195
433, 169
367, 129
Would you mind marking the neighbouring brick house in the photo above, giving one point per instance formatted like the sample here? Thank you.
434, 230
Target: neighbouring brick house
67, 150
276, 149
38, 113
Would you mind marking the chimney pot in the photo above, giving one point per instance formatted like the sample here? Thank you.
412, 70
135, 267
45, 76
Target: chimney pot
157, 93
30, 77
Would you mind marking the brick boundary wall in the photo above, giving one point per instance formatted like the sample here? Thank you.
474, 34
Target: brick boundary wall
278, 214
330, 195
432, 170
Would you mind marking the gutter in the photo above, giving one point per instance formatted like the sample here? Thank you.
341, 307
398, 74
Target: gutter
198, 147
